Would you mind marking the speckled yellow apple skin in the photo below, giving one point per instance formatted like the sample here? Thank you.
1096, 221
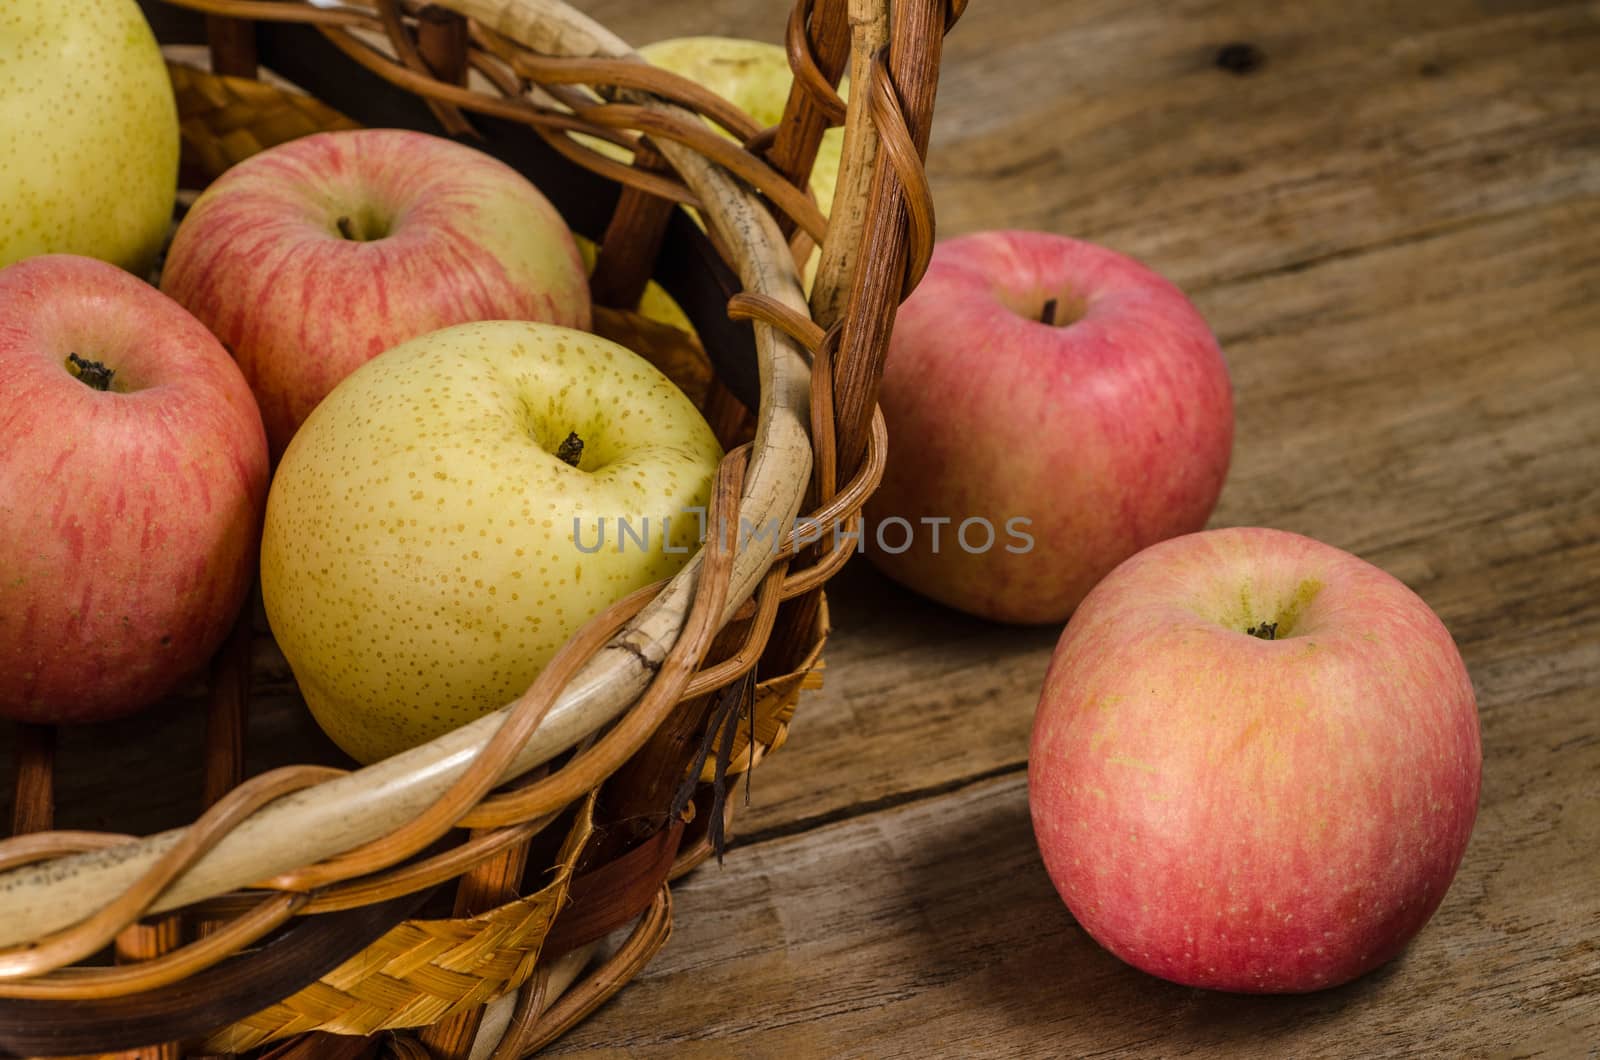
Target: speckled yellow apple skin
88, 132
755, 77
419, 565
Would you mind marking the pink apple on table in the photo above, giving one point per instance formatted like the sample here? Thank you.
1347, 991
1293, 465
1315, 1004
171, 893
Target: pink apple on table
132, 482
1106, 428
312, 258
1255, 762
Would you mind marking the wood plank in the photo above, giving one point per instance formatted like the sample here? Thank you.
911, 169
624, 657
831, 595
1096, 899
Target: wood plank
932, 930
1431, 406
1369, 126
1366, 122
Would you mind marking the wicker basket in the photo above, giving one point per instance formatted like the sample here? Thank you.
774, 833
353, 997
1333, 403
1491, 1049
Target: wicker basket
474, 896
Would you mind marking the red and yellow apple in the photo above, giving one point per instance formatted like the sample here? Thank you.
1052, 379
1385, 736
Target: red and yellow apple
1065, 445
1255, 762
313, 257
132, 480
456, 509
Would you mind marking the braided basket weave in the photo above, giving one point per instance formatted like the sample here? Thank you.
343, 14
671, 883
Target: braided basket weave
480, 894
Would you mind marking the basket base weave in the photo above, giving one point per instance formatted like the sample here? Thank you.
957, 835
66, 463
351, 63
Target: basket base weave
422, 971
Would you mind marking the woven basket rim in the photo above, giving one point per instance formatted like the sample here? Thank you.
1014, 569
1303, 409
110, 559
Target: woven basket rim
642, 648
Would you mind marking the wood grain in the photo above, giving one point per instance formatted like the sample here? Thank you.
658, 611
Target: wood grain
1367, 122
1390, 226
931, 930
1431, 406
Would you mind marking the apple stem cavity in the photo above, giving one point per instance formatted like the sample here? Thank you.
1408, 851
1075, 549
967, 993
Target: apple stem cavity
92, 374
1047, 316
570, 451
362, 227
1264, 630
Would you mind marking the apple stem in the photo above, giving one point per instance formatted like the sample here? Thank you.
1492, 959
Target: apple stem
570, 451
1266, 631
92, 374
346, 228
1048, 315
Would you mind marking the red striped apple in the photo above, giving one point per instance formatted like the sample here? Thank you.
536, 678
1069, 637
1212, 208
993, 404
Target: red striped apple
312, 258
1255, 763
132, 481
1029, 456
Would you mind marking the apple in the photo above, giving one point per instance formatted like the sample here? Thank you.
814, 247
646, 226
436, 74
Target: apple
1255, 763
132, 481
455, 510
313, 257
654, 301
755, 77
1053, 407
88, 131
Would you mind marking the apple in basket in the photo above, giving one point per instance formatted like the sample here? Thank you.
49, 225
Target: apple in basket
88, 132
132, 479
317, 255
458, 507
1255, 762
755, 77
1053, 407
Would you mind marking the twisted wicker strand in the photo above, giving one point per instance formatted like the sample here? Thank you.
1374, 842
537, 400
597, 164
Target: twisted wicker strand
589, 767
740, 662
426, 873
406, 50
627, 73
644, 942
72, 984
554, 128
71, 944
423, 971
807, 74
488, 766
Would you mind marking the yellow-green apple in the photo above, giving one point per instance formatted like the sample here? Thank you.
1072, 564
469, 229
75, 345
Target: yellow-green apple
88, 133
458, 507
755, 77
132, 480
1053, 407
654, 302
313, 257
1255, 762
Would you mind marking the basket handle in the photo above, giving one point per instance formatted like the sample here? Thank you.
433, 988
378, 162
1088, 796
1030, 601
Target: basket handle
898, 226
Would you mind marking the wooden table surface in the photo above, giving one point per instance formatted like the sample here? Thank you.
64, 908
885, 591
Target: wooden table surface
1393, 225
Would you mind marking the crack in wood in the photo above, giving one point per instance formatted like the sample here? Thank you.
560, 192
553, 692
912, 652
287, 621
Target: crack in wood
627, 647
868, 807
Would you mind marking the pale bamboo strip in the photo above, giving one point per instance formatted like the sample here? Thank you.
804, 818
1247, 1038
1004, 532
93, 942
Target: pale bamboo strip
869, 31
